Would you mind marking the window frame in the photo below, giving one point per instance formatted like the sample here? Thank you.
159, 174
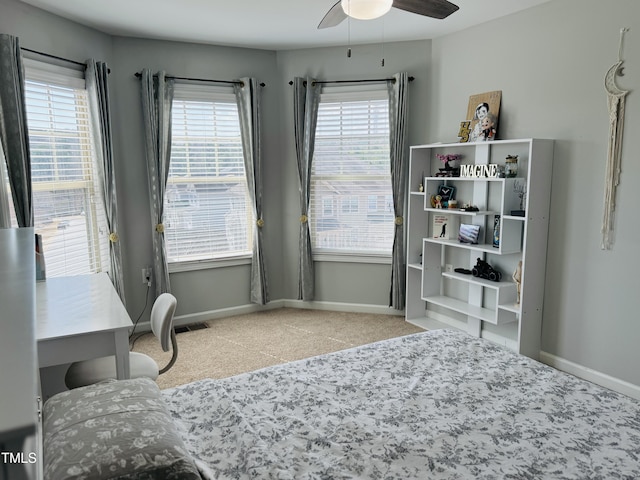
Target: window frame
199, 92
97, 243
342, 94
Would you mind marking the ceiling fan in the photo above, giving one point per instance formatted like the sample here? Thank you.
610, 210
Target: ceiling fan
370, 9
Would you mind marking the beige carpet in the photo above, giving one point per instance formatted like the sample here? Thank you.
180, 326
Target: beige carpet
244, 343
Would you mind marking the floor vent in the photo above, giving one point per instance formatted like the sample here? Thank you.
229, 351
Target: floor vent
190, 328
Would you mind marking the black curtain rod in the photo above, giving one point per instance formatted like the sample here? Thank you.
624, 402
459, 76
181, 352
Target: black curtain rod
371, 80
232, 82
54, 56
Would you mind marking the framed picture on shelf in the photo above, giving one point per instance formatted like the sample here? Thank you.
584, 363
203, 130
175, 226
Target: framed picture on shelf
481, 122
446, 193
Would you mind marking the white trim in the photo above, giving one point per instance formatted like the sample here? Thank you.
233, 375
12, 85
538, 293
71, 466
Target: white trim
591, 375
200, 317
209, 263
354, 93
384, 259
204, 93
225, 312
343, 307
48, 73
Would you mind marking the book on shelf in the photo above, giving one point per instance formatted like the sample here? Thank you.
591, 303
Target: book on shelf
441, 226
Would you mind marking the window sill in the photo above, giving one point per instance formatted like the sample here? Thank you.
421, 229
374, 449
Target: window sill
209, 263
384, 259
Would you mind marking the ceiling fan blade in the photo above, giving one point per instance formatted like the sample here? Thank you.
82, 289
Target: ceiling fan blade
334, 16
429, 8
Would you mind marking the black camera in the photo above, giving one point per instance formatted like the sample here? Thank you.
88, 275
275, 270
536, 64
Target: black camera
483, 270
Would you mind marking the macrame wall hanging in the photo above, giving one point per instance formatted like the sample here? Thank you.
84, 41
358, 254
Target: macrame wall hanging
615, 100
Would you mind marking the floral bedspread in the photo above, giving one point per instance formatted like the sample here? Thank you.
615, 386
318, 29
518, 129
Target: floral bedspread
439, 404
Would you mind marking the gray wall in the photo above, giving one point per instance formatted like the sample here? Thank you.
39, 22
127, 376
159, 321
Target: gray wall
548, 61
202, 290
357, 283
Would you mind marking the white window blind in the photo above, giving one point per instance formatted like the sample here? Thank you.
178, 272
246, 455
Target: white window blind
67, 203
207, 211
351, 207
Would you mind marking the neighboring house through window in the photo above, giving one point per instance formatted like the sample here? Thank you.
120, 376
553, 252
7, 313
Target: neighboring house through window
67, 202
351, 209
207, 211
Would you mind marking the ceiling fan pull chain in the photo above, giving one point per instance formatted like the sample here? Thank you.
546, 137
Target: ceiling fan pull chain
349, 34
382, 61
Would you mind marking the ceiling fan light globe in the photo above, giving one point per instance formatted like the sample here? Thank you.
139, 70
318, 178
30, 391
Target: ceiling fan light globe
366, 9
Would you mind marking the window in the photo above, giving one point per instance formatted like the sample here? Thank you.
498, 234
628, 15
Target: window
351, 170
67, 201
207, 209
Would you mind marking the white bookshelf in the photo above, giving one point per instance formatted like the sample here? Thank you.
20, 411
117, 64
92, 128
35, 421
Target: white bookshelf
438, 298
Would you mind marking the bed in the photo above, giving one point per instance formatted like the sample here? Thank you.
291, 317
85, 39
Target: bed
439, 404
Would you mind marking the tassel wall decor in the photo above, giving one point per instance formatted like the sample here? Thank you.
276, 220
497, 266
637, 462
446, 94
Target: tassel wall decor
615, 101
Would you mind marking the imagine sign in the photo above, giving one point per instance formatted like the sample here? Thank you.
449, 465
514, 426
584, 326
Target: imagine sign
479, 171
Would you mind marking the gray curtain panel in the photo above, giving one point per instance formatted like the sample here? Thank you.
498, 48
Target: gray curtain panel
14, 132
306, 99
398, 90
96, 76
157, 97
5, 212
248, 98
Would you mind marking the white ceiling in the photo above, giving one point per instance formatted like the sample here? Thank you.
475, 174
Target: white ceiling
267, 24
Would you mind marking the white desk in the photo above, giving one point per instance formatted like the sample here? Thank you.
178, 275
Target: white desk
18, 373
80, 318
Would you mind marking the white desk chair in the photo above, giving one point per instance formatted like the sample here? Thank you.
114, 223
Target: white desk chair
93, 371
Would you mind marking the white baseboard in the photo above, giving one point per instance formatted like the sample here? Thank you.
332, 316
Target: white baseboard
591, 375
199, 317
436, 321
343, 307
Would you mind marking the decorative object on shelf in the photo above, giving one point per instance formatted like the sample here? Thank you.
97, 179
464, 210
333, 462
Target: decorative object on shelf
511, 166
446, 193
439, 227
465, 131
451, 162
469, 233
496, 231
479, 171
467, 207
436, 201
487, 128
616, 103
483, 270
421, 188
453, 204
521, 191
464, 271
480, 105
517, 278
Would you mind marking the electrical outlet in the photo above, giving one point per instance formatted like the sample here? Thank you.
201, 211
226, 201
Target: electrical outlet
146, 275
449, 267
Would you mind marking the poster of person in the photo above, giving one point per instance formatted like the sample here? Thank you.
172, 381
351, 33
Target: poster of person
481, 122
